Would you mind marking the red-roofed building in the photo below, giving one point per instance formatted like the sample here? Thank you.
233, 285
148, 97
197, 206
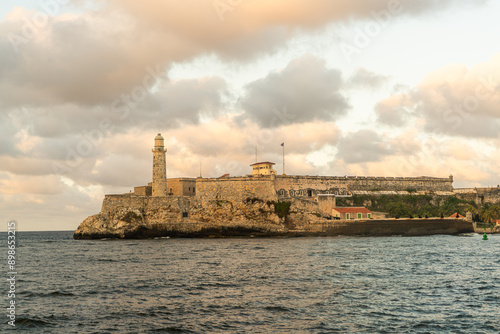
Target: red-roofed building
456, 215
352, 213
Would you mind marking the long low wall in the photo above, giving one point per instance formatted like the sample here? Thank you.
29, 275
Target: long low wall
307, 186
389, 227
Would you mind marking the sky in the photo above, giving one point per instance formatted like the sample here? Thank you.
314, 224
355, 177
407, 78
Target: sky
352, 87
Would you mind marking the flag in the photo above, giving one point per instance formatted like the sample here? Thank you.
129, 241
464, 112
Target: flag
282, 144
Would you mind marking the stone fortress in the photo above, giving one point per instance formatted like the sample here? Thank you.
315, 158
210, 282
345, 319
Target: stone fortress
261, 203
265, 183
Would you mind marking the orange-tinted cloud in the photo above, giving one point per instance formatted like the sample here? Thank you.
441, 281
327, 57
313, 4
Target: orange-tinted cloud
454, 100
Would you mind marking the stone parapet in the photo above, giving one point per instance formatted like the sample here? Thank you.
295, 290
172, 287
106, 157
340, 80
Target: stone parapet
236, 188
309, 186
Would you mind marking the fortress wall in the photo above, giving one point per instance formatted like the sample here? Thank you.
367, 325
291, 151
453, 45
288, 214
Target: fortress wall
467, 196
479, 195
307, 186
143, 191
113, 203
181, 186
236, 189
400, 183
465, 191
489, 195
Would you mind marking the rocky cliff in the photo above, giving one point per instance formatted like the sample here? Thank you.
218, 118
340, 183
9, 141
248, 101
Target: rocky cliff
129, 216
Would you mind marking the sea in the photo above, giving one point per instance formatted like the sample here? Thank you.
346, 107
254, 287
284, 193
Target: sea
432, 284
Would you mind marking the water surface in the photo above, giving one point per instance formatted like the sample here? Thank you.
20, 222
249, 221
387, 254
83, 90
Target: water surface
435, 284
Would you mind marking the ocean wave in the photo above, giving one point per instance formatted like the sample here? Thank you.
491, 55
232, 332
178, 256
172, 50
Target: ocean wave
22, 322
45, 294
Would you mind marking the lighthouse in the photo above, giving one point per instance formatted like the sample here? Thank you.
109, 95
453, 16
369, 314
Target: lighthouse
159, 168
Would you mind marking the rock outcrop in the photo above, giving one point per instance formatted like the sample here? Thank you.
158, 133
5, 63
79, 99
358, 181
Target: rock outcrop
130, 216
182, 217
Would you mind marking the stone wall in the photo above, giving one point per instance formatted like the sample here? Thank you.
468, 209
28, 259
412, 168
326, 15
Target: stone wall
176, 206
489, 195
387, 227
236, 188
325, 204
181, 187
143, 191
479, 195
112, 202
310, 186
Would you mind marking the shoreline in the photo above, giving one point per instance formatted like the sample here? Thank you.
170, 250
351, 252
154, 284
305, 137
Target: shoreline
366, 228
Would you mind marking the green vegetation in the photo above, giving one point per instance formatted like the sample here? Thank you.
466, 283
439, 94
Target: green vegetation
488, 213
406, 205
282, 208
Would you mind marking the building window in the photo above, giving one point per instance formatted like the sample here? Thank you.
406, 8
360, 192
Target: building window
184, 215
347, 216
359, 215
369, 216
193, 189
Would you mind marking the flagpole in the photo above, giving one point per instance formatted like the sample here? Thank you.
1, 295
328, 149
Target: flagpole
283, 144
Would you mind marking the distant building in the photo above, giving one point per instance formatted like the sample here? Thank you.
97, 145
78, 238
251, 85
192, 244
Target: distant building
263, 168
352, 213
456, 215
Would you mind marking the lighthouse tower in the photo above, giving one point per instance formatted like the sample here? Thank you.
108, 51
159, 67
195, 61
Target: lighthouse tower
159, 168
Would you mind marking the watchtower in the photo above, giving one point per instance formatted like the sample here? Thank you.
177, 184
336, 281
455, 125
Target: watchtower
159, 168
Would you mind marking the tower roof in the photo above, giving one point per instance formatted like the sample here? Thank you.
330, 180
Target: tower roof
263, 163
158, 136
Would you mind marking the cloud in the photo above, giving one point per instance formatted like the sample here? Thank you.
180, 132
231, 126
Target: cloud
92, 57
305, 90
7, 139
47, 185
184, 101
394, 110
84, 59
172, 104
454, 100
362, 78
363, 146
